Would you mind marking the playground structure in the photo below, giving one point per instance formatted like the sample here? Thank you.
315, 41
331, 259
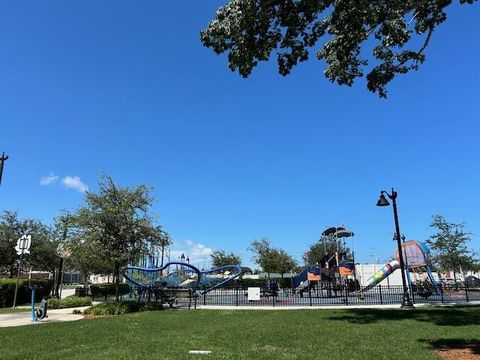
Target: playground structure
417, 263
333, 268
178, 276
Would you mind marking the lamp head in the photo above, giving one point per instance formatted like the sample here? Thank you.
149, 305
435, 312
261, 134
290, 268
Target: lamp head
382, 201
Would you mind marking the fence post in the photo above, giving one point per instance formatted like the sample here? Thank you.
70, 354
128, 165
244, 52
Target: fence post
204, 299
236, 296
309, 294
380, 290
441, 292
466, 291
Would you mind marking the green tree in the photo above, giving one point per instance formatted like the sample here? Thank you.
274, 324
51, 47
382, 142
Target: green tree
86, 257
271, 259
396, 32
117, 222
449, 246
285, 262
42, 251
220, 258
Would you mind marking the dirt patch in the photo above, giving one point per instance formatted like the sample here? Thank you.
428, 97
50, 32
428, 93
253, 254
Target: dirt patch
469, 352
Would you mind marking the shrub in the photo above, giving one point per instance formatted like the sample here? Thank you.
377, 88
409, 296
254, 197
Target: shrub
69, 302
105, 290
7, 291
123, 307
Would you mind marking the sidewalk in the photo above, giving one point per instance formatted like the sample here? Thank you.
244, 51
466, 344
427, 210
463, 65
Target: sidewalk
25, 318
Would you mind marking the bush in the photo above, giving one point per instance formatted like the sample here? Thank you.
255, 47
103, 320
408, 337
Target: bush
106, 290
69, 302
123, 307
7, 291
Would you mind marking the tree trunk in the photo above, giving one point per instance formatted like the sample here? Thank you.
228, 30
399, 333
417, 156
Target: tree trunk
117, 281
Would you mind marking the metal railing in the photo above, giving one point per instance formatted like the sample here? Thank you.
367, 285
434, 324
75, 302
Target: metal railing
338, 296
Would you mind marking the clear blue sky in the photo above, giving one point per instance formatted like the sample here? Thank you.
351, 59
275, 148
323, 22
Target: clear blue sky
126, 88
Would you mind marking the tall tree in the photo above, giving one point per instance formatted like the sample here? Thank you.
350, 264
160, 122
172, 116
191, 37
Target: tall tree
118, 221
42, 252
86, 258
221, 258
271, 259
449, 245
249, 31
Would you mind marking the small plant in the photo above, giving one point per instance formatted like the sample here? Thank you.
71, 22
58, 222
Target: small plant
76, 311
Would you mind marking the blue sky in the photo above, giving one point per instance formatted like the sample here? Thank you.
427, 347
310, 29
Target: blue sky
127, 89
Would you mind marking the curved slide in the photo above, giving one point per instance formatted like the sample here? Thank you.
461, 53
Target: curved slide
382, 274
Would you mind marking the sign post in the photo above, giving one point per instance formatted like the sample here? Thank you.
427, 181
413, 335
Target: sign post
23, 246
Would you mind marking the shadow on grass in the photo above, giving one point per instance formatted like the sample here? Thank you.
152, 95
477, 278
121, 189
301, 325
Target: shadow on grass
454, 344
442, 316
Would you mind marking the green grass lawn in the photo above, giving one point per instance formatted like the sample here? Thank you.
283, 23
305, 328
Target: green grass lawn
10, 310
255, 334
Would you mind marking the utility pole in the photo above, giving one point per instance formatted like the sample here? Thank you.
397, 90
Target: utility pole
2, 161
61, 253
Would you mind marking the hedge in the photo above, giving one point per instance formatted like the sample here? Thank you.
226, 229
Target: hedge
123, 307
7, 291
69, 302
108, 289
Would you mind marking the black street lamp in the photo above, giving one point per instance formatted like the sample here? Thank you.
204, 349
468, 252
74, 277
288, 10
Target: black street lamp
406, 301
2, 161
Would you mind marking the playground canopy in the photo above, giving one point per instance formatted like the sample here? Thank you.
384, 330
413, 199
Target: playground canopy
339, 232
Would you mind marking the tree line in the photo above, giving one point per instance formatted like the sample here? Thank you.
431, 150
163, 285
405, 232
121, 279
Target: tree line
115, 226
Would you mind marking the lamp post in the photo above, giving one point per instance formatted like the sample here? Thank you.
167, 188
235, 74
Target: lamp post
2, 161
382, 201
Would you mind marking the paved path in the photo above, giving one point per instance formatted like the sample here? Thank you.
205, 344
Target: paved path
25, 318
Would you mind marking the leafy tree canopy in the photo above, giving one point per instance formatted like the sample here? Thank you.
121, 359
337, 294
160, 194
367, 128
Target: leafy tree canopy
271, 259
251, 30
116, 222
449, 246
220, 258
43, 248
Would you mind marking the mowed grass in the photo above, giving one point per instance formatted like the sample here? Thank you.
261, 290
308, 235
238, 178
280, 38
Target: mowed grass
10, 310
249, 334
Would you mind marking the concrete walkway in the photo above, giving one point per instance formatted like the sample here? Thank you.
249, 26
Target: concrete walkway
25, 318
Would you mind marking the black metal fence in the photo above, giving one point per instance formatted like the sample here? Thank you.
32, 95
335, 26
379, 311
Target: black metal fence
338, 296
